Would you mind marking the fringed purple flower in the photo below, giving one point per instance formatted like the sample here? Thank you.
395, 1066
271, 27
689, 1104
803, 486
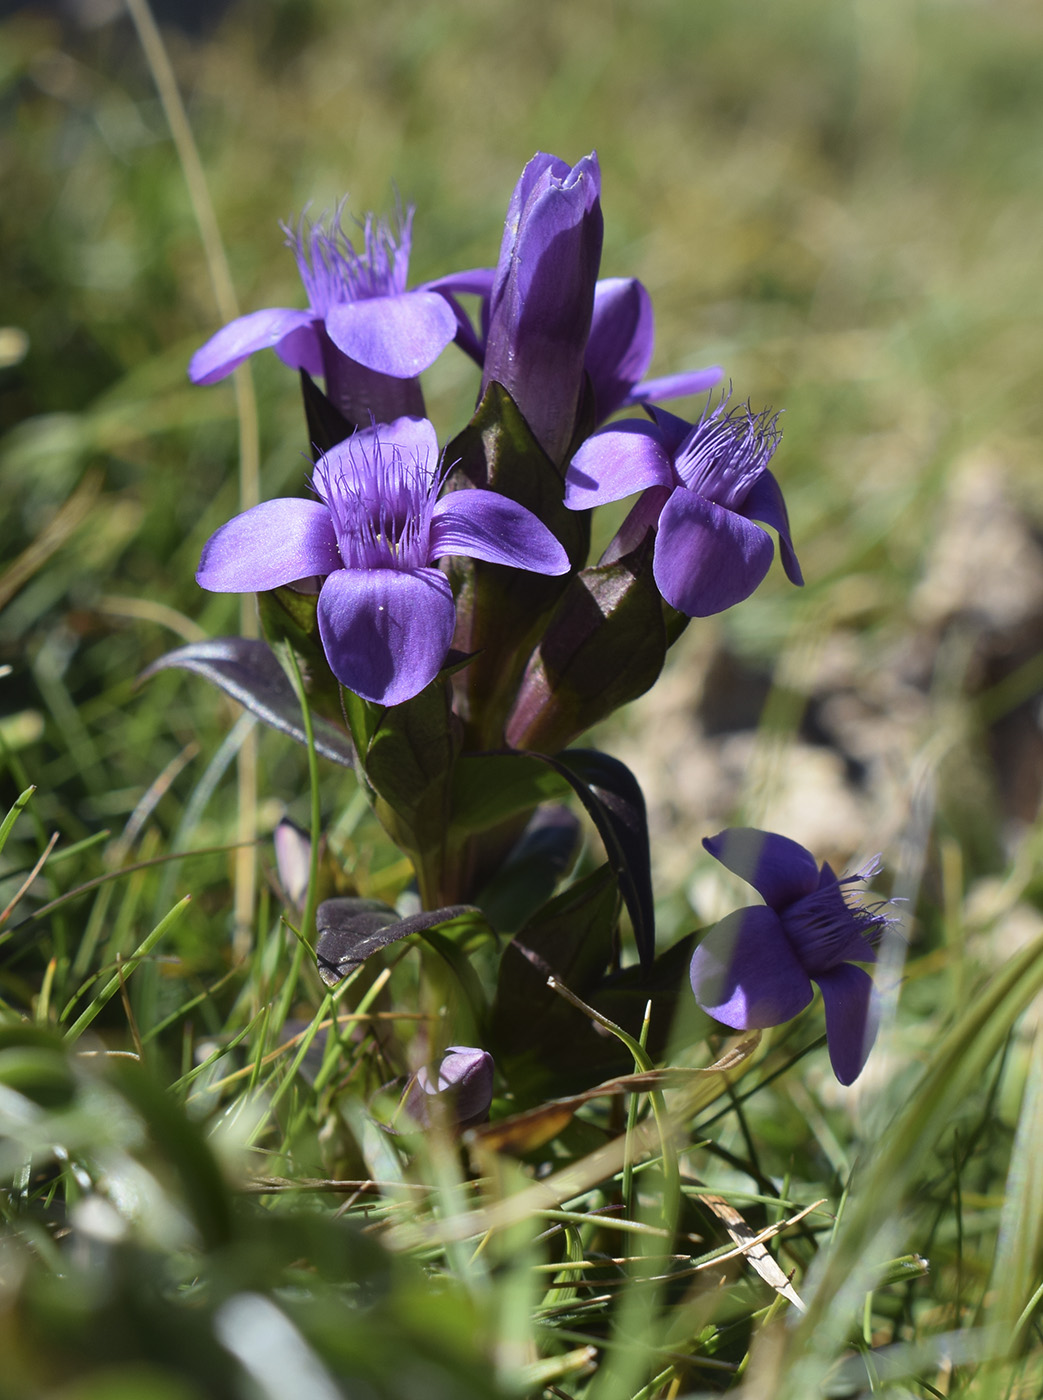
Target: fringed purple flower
704, 485
386, 613
361, 320
755, 968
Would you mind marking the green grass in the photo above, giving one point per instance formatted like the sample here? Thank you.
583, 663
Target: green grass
841, 204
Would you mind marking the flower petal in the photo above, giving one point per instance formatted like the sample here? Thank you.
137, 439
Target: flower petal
396, 335
616, 462
826, 931
744, 973
674, 386
476, 281
852, 1018
707, 558
764, 502
272, 544
619, 348
302, 349
780, 870
236, 342
486, 525
386, 632
674, 432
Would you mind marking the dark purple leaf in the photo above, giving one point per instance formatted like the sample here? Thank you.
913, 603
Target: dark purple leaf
616, 805
249, 672
351, 930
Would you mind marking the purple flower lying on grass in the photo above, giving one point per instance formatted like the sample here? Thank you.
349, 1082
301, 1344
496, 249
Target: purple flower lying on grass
464, 1080
386, 614
704, 485
755, 968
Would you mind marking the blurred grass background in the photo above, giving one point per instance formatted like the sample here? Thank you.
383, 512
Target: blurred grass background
842, 203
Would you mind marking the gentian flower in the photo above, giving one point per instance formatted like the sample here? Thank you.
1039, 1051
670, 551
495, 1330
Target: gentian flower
619, 352
542, 296
362, 326
755, 968
464, 1079
704, 485
386, 614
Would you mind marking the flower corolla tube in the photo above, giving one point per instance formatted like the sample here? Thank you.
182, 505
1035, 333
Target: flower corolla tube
755, 968
374, 535
704, 485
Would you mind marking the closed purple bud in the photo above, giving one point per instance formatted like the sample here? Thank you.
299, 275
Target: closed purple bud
464, 1080
543, 295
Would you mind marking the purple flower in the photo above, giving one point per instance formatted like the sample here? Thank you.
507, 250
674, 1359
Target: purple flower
386, 615
361, 320
755, 967
704, 485
619, 352
464, 1078
542, 296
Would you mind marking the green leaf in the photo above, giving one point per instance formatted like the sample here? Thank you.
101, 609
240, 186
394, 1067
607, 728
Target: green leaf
290, 619
604, 645
539, 1037
409, 765
488, 788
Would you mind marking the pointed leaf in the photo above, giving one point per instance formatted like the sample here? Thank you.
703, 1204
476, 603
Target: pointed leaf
289, 618
616, 805
409, 764
326, 424
488, 788
540, 1037
250, 673
527, 878
603, 646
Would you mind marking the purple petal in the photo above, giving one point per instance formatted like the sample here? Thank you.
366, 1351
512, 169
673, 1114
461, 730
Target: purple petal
485, 525
744, 973
302, 349
272, 544
477, 281
616, 462
236, 342
386, 632
825, 931
397, 335
674, 432
852, 1018
467, 338
764, 502
780, 870
619, 348
707, 558
674, 386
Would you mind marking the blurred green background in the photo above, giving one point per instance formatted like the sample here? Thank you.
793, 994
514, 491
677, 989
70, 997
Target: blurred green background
842, 203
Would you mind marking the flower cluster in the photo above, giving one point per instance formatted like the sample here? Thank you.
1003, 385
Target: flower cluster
461, 570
